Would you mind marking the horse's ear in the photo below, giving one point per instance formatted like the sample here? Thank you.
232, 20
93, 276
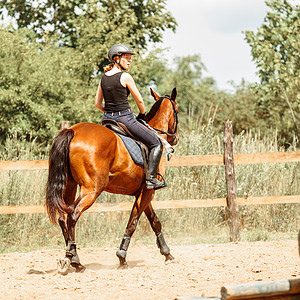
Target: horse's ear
174, 94
154, 95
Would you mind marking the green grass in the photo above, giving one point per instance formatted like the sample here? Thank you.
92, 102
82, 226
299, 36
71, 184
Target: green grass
180, 226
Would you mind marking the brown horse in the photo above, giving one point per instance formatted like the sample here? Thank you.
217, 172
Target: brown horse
95, 158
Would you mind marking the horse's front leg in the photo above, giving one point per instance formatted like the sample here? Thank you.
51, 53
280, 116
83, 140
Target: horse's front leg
141, 202
160, 240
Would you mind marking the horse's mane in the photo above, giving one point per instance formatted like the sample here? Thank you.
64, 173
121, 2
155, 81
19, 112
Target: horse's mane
154, 108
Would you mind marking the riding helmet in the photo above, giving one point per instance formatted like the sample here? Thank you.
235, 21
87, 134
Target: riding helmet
118, 49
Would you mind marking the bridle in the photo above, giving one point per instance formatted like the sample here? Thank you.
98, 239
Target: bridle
173, 129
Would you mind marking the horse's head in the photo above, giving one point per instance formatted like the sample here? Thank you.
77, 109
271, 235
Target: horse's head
164, 115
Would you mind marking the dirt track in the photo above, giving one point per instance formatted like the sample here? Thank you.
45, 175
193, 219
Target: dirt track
199, 270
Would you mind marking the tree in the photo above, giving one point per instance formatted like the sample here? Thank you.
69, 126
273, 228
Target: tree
275, 49
93, 26
139, 21
198, 95
186, 75
39, 88
50, 65
42, 85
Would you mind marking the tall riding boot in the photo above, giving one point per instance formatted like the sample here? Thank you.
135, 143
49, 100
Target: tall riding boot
154, 159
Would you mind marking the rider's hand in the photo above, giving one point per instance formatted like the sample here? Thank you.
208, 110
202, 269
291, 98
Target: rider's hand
141, 117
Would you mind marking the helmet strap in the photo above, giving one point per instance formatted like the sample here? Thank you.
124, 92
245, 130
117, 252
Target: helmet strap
118, 63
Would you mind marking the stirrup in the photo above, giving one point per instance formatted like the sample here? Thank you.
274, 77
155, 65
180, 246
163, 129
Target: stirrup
154, 183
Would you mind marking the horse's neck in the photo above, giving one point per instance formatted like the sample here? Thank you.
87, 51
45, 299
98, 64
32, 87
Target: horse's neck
160, 120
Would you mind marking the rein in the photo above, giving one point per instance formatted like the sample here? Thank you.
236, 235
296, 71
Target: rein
166, 145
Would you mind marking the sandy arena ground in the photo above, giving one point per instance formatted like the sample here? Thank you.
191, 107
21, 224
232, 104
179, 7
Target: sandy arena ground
199, 270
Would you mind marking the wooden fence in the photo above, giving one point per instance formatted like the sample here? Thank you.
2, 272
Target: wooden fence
178, 161
232, 202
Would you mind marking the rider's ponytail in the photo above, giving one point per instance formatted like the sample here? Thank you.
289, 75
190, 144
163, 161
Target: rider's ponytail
108, 67
111, 65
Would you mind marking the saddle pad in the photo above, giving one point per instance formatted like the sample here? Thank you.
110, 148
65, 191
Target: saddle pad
133, 148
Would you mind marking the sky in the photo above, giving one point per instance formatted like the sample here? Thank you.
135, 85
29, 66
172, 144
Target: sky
214, 30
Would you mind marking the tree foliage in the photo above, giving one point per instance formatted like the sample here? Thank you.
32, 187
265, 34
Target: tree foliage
201, 102
275, 49
39, 87
93, 25
42, 85
51, 63
186, 74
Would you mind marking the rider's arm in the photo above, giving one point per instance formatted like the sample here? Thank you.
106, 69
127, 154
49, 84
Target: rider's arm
99, 98
127, 80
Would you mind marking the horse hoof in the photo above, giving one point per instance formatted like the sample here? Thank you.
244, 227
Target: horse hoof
123, 266
169, 259
79, 268
63, 265
123, 263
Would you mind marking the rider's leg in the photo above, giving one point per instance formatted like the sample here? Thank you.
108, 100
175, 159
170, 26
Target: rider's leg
154, 159
145, 135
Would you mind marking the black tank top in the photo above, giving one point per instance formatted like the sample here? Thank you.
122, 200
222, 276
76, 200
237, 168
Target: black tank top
115, 94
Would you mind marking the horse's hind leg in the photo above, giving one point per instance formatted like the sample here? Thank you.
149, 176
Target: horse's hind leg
69, 198
67, 223
84, 201
62, 221
156, 226
71, 257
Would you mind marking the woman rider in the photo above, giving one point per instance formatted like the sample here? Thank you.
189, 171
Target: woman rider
114, 88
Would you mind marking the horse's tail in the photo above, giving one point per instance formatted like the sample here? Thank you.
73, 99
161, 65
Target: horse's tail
58, 174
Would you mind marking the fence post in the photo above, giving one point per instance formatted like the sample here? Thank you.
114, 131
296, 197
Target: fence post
230, 183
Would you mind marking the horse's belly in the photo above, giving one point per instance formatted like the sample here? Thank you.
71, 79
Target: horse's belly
126, 184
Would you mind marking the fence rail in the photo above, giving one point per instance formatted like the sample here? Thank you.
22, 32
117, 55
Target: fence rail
178, 161
165, 204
